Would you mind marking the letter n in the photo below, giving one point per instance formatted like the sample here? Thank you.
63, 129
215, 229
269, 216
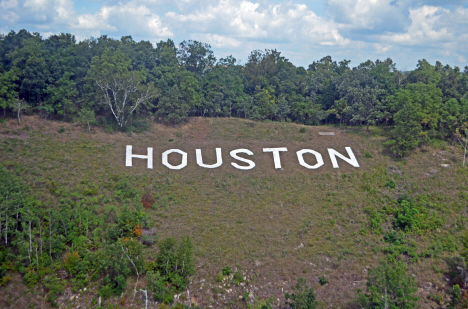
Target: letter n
351, 160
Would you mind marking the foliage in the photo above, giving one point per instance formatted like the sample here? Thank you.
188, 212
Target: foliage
323, 280
389, 286
302, 296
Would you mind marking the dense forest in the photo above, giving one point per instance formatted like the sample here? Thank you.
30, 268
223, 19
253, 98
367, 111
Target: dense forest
61, 227
123, 83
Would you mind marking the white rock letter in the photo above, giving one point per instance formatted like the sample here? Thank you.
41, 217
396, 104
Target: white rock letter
250, 163
130, 155
276, 156
317, 155
333, 154
165, 162
219, 159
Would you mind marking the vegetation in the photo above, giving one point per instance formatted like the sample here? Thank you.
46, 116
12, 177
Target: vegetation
123, 81
302, 296
75, 222
388, 286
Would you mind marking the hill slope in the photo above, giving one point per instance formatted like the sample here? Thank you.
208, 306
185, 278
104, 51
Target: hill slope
274, 225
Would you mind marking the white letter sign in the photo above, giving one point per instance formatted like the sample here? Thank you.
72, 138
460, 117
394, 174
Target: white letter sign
276, 156
234, 153
317, 155
165, 162
333, 154
219, 159
130, 155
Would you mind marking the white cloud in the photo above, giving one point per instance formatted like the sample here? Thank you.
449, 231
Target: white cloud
216, 40
405, 30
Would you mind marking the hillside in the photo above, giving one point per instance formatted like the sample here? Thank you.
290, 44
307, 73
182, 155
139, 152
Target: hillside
274, 225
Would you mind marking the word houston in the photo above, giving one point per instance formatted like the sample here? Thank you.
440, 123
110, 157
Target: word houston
247, 164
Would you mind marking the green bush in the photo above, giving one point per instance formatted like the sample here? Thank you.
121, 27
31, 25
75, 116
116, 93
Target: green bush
406, 217
302, 297
54, 288
323, 280
226, 271
389, 286
390, 184
238, 277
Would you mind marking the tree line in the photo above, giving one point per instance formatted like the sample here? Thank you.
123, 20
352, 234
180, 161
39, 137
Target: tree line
122, 83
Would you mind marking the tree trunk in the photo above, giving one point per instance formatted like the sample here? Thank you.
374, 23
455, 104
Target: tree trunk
30, 243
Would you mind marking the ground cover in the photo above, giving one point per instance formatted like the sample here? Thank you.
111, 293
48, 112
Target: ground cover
269, 225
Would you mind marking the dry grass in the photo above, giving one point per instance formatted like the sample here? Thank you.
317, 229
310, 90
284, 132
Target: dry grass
251, 219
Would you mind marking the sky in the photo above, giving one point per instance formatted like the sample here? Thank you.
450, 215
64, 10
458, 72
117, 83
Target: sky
303, 31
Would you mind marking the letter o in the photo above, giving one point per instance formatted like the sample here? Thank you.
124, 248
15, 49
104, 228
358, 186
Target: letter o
317, 155
165, 161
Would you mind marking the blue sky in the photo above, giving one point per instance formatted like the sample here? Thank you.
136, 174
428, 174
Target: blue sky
303, 31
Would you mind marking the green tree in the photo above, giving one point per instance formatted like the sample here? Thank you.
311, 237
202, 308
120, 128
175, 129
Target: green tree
8, 89
196, 56
62, 94
172, 108
86, 116
417, 116
389, 286
302, 296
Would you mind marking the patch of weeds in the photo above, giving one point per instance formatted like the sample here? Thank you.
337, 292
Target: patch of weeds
323, 280
302, 130
390, 184
367, 155
375, 220
238, 277
447, 244
399, 244
61, 130
226, 271
437, 298
259, 304
55, 287
415, 218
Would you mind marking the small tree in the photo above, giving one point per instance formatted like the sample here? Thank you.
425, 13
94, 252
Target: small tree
389, 286
462, 139
18, 106
86, 116
302, 297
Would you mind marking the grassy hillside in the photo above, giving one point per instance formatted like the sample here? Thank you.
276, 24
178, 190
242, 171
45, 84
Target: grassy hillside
274, 225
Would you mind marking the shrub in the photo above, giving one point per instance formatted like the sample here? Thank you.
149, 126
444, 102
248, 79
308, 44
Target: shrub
137, 230
367, 155
238, 277
55, 287
226, 271
147, 200
175, 261
406, 217
389, 286
302, 297
302, 130
391, 184
323, 280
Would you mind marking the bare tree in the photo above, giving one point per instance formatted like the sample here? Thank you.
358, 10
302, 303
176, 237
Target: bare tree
462, 140
18, 106
121, 86
119, 95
